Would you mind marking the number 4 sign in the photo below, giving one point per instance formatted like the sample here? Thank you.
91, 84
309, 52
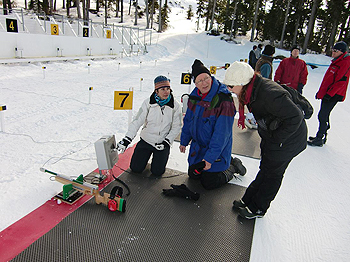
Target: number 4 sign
123, 100
11, 25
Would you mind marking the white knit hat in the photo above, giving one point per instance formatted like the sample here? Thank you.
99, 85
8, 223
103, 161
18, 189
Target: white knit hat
239, 73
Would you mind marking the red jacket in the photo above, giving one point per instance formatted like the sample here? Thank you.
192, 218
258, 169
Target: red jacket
291, 71
336, 79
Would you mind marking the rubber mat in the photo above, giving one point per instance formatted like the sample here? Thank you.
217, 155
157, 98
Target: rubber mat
246, 142
153, 228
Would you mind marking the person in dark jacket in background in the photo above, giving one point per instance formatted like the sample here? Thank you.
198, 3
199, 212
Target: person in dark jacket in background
252, 57
264, 64
292, 71
282, 129
332, 90
208, 126
264, 68
258, 51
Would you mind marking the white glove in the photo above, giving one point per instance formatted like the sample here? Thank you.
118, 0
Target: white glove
123, 144
163, 145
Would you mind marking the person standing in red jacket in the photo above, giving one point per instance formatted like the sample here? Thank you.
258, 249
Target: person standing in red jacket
292, 71
332, 90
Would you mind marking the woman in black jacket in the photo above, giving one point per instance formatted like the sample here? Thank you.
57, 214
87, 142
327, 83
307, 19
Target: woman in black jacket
282, 129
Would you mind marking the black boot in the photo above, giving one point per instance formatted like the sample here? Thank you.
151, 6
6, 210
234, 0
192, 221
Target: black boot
237, 163
311, 138
248, 214
239, 204
315, 142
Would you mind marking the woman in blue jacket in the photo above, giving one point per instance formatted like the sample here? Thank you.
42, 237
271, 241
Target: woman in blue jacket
208, 126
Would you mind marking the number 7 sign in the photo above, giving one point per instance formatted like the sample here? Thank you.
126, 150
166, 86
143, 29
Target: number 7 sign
123, 100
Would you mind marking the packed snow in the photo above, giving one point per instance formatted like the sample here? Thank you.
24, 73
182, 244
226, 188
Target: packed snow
49, 122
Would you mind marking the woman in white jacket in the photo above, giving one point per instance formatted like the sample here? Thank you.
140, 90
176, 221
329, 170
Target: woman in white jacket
160, 116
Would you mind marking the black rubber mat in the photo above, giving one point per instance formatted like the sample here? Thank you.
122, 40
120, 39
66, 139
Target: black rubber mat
153, 228
246, 142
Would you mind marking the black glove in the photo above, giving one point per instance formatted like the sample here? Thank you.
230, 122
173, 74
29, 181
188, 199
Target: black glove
181, 191
163, 145
197, 169
300, 88
122, 145
262, 123
275, 124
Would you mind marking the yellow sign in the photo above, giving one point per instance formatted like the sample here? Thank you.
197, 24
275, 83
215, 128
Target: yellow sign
108, 33
85, 32
185, 78
213, 70
123, 100
54, 29
11, 25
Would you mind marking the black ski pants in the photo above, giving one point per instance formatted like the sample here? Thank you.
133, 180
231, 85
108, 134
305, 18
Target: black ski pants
323, 116
264, 188
209, 180
142, 154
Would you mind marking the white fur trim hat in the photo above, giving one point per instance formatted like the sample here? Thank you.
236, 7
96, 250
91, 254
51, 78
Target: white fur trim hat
239, 73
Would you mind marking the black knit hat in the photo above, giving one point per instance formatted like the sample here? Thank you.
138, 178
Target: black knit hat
341, 46
269, 50
198, 68
295, 47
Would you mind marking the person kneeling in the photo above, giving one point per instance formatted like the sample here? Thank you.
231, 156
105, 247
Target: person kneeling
160, 116
208, 129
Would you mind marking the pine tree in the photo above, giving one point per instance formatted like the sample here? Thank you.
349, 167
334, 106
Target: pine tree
189, 12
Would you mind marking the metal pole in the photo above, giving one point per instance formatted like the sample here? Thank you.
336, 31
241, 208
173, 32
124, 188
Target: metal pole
122, 35
130, 35
22, 20
45, 23
130, 111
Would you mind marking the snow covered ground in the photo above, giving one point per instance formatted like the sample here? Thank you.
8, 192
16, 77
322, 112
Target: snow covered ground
50, 123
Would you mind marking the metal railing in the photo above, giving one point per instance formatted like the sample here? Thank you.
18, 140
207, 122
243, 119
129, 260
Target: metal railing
34, 23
